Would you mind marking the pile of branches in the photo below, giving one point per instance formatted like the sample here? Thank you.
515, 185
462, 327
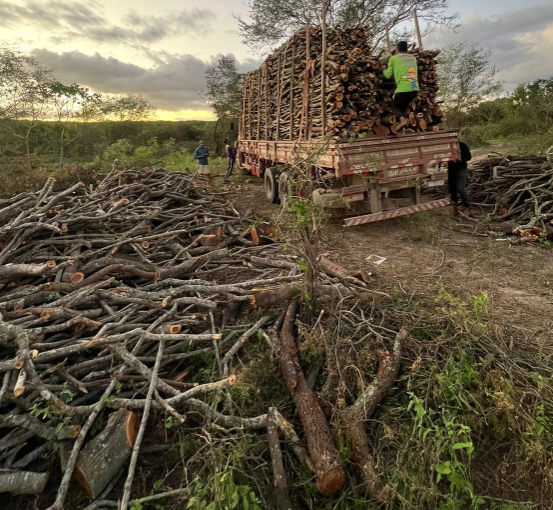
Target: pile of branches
520, 188
105, 293
285, 98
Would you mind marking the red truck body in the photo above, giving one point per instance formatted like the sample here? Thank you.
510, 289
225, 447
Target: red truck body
377, 178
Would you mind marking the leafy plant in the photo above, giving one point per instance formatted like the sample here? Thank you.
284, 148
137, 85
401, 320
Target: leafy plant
220, 492
480, 304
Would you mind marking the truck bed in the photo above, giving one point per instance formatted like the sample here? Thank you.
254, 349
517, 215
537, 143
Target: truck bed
388, 158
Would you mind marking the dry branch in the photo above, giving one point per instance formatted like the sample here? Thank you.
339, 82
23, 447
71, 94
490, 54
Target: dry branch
355, 416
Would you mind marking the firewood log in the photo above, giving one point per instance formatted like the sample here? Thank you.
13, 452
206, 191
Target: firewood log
22, 482
330, 474
107, 453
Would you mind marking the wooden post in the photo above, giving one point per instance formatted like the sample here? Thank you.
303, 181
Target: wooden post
266, 102
242, 134
323, 69
279, 96
388, 45
292, 74
306, 84
259, 105
417, 29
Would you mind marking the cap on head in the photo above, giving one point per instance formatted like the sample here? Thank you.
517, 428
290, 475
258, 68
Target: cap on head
201, 143
402, 46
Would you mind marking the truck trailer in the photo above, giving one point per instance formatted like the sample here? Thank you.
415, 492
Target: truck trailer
321, 97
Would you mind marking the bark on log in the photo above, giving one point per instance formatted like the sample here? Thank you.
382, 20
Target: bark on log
22, 482
280, 482
330, 474
334, 269
107, 453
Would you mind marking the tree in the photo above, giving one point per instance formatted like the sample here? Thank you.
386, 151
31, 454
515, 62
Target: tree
24, 94
73, 105
127, 108
534, 103
224, 91
466, 77
273, 21
224, 87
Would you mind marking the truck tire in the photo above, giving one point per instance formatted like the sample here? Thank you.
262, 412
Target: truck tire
271, 185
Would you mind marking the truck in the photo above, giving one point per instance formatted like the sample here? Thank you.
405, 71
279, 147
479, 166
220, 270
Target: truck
366, 177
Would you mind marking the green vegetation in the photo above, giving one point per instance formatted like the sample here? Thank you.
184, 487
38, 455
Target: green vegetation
521, 121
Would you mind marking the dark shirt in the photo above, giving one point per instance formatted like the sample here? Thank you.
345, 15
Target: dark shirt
231, 152
466, 156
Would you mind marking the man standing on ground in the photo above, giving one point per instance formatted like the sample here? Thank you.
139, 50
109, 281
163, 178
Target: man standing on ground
231, 156
202, 155
457, 180
403, 67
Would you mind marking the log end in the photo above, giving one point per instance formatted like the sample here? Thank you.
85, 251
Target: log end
19, 391
231, 380
174, 329
46, 315
76, 278
332, 481
132, 426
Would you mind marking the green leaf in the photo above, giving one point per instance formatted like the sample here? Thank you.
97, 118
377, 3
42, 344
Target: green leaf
456, 479
444, 469
460, 446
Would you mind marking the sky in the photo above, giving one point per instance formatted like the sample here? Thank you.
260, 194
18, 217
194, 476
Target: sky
161, 48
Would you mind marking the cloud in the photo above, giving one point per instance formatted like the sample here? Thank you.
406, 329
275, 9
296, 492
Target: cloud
521, 41
70, 20
175, 83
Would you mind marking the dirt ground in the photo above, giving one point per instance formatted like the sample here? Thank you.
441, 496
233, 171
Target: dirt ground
426, 251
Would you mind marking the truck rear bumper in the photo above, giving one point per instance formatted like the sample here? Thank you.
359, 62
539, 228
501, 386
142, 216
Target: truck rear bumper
395, 213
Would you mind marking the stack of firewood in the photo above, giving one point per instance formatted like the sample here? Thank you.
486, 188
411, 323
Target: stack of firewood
519, 187
105, 296
285, 98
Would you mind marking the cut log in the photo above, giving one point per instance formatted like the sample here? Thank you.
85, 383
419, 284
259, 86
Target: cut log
282, 493
330, 474
334, 269
22, 482
107, 453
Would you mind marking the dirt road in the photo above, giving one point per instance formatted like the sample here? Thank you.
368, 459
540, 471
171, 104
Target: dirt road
430, 250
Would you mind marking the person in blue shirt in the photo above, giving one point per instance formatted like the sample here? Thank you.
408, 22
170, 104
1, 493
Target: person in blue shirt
202, 155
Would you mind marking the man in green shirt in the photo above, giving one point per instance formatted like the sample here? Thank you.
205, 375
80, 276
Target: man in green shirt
403, 67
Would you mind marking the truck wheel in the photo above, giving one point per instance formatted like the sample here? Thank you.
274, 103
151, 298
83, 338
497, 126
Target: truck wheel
283, 186
271, 185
